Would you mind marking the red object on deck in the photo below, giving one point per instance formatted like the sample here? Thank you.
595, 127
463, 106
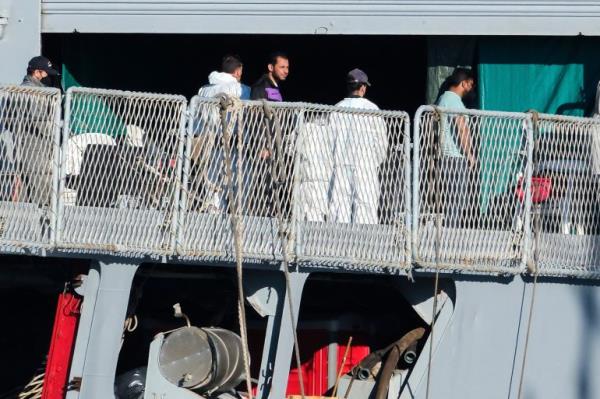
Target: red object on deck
541, 187
61, 346
315, 363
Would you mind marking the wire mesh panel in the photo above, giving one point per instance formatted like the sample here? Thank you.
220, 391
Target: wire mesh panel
566, 199
352, 186
330, 182
120, 171
470, 172
29, 138
258, 186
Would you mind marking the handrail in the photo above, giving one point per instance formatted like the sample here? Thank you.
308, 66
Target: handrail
152, 183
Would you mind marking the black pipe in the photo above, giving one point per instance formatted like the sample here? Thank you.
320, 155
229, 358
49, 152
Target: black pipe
363, 373
411, 354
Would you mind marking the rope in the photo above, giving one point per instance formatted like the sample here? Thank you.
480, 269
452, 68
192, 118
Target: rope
131, 323
433, 316
341, 370
129, 326
531, 305
33, 389
532, 268
535, 116
229, 104
280, 167
438, 238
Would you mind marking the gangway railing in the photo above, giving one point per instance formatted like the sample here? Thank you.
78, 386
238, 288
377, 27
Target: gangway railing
206, 225
566, 216
138, 174
361, 215
336, 179
466, 214
120, 167
29, 147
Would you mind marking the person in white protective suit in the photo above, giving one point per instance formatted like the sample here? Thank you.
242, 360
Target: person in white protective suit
315, 146
360, 147
207, 150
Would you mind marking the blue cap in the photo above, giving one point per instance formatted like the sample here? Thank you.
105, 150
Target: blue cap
43, 64
358, 76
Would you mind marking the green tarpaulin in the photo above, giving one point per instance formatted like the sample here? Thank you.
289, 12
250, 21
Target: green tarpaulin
548, 74
92, 114
545, 74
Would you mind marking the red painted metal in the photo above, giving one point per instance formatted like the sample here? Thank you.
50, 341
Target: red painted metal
314, 348
61, 346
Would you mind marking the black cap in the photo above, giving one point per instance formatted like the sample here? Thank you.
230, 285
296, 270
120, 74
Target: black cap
43, 64
358, 76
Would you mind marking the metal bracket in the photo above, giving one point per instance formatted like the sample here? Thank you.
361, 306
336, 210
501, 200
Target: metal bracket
74, 384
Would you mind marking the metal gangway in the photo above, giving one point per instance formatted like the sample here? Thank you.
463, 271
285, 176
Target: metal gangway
152, 176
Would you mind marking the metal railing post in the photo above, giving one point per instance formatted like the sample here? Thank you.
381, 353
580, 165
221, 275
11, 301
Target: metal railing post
62, 172
183, 201
408, 197
296, 227
56, 162
527, 231
416, 164
176, 224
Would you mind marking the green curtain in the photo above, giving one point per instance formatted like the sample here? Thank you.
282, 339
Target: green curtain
545, 74
555, 75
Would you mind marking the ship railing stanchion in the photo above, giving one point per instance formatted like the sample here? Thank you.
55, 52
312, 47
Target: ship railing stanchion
293, 304
528, 245
98, 343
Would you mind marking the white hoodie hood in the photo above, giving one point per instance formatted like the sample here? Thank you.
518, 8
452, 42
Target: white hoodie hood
221, 83
220, 78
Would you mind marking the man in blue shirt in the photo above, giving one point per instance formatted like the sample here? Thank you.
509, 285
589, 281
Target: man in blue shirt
458, 159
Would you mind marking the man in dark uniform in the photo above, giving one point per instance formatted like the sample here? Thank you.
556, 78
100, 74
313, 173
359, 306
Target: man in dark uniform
38, 69
30, 140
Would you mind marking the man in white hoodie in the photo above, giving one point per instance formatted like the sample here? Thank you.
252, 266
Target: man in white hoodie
207, 153
360, 148
227, 81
